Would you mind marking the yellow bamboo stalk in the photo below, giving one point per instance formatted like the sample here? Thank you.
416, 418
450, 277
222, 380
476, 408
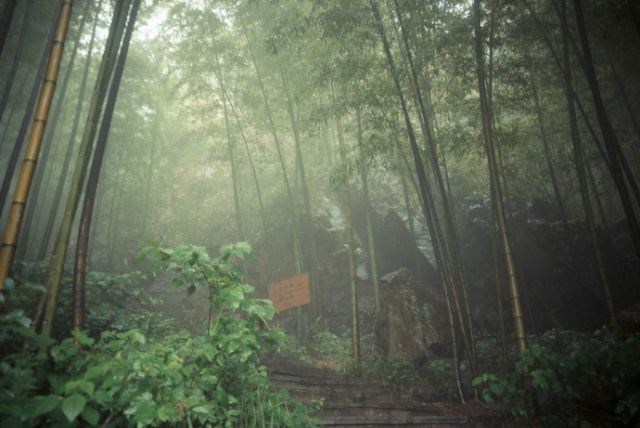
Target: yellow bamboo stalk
12, 228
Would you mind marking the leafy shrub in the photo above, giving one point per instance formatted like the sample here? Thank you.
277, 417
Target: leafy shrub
601, 372
117, 302
125, 379
439, 374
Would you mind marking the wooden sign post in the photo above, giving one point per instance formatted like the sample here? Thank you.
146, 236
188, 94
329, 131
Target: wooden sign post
290, 293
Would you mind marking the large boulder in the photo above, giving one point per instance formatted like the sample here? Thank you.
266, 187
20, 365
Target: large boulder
412, 317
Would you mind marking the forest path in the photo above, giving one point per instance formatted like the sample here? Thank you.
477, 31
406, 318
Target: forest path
351, 402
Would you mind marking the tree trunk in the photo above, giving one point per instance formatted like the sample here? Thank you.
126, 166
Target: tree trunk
367, 213
580, 169
17, 146
451, 234
514, 292
94, 177
547, 152
263, 216
12, 229
355, 318
232, 156
308, 226
16, 56
614, 151
20, 255
147, 195
56, 264
46, 237
427, 196
294, 217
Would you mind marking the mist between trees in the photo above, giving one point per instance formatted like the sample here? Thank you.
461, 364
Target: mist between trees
210, 122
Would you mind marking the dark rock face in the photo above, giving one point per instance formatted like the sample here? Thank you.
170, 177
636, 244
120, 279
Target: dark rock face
558, 280
412, 317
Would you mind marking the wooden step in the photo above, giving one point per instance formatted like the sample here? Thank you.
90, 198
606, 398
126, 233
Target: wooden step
352, 402
391, 421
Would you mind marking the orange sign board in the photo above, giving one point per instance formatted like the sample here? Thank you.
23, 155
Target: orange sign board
290, 293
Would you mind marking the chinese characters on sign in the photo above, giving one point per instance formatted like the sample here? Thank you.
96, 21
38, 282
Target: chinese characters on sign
290, 293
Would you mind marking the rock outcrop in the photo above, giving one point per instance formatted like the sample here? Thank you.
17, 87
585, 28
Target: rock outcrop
412, 317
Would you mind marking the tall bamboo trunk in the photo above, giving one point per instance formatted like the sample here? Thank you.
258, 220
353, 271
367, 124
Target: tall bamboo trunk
407, 207
17, 145
441, 271
21, 252
7, 122
367, 213
451, 234
580, 170
626, 170
514, 291
4, 98
46, 236
274, 133
80, 268
56, 265
231, 147
149, 185
425, 189
12, 229
308, 219
612, 144
355, 317
547, 152
263, 216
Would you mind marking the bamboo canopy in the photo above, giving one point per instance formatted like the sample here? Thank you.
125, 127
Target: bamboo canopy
12, 229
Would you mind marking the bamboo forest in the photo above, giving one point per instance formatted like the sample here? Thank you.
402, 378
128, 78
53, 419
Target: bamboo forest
300, 213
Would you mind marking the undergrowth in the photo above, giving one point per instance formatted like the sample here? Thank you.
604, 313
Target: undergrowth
142, 378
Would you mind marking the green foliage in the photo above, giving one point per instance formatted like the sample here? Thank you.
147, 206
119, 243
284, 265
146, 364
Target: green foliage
127, 379
220, 275
601, 372
393, 373
117, 302
439, 374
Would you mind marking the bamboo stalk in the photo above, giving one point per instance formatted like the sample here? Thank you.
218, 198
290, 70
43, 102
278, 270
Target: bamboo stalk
12, 229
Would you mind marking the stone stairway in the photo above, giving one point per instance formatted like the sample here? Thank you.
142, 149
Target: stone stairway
351, 402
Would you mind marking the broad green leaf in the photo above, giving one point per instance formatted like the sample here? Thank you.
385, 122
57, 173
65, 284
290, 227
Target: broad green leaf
71, 386
168, 413
143, 414
497, 388
83, 339
536, 350
87, 388
90, 415
102, 397
73, 405
44, 405
93, 372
